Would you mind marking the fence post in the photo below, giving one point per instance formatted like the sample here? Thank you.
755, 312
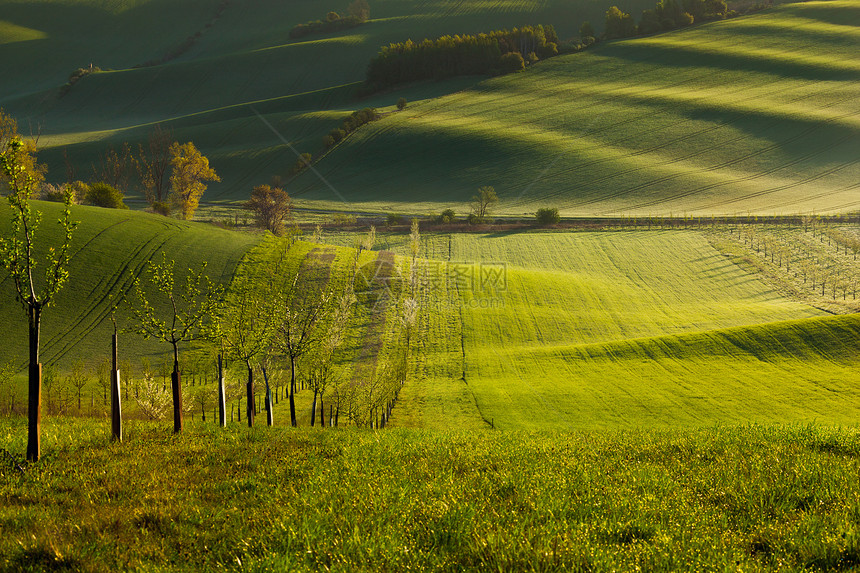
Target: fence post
115, 402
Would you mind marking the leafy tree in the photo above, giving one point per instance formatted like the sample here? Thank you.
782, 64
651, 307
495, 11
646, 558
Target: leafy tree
649, 23
31, 173
303, 162
180, 315
153, 162
114, 168
271, 206
586, 31
78, 379
618, 24
245, 325
304, 310
512, 62
401, 104
104, 195
190, 171
447, 216
360, 10
482, 203
547, 216
19, 258
332, 16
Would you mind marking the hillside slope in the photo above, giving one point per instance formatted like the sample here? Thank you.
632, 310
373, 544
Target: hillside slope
759, 114
242, 57
109, 249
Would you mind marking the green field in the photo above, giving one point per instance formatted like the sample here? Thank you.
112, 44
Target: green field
244, 62
750, 115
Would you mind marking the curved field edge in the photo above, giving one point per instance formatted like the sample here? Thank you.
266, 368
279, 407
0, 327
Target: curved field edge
756, 498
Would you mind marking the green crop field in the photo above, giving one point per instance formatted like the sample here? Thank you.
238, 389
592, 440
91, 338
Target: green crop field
242, 63
750, 115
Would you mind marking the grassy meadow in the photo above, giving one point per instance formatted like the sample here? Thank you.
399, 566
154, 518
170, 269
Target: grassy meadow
750, 498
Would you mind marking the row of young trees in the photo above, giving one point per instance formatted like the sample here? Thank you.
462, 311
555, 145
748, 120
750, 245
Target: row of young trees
496, 52
359, 13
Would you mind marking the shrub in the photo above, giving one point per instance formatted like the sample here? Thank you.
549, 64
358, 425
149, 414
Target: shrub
103, 195
328, 141
547, 216
549, 50
512, 62
161, 208
587, 31
332, 16
686, 19
532, 58
393, 219
337, 134
447, 216
401, 103
57, 193
303, 162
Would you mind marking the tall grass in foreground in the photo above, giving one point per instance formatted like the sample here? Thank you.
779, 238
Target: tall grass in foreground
728, 498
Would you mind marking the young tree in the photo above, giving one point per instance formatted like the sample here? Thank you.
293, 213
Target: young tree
304, 306
78, 379
186, 309
114, 168
271, 206
152, 165
482, 203
322, 370
246, 323
188, 177
19, 258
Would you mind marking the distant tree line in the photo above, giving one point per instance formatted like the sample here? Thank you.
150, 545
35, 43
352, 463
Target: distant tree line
359, 13
666, 15
496, 52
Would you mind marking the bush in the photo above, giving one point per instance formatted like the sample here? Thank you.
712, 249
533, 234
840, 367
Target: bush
532, 58
161, 208
393, 219
57, 193
303, 162
103, 195
547, 216
512, 62
401, 103
448, 216
549, 50
686, 19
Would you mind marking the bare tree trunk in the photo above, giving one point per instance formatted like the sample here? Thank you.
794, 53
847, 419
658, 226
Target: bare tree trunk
314, 409
176, 386
222, 404
292, 392
34, 428
250, 397
322, 412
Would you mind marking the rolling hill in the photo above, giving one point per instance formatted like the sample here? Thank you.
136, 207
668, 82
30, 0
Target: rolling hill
240, 63
750, 115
